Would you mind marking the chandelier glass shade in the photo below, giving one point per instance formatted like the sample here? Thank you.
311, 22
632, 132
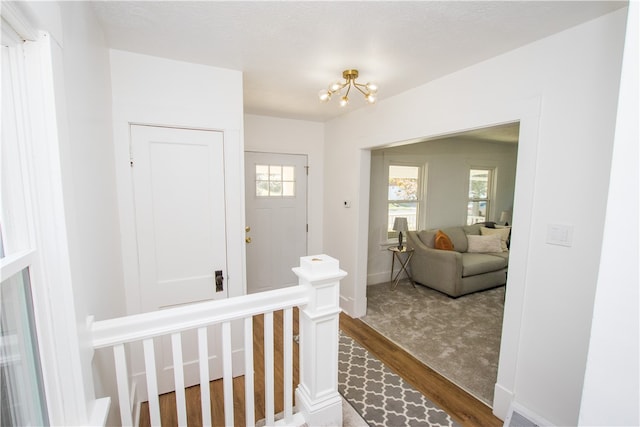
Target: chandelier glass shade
369, 90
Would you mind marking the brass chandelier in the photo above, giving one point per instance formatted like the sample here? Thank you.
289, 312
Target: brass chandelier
369, 90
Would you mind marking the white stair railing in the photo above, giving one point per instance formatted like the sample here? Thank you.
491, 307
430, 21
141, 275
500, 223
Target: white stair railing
317, 398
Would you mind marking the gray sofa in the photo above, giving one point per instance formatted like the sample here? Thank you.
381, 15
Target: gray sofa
455, 272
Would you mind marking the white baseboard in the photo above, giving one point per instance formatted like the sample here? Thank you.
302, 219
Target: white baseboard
375, 278
502, 399
504, 407
349, 306
520, 416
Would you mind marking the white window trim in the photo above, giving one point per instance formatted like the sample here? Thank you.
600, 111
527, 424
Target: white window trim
400, 160
491, 197
47, 257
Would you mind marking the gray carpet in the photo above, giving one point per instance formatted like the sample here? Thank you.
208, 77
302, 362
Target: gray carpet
458, 338
380, 396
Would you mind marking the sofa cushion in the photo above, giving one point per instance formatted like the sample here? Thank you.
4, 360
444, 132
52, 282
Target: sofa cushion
504, 255
442, 241
484, 244
473, 263
428, 237
473, 229
502, 232
458, 238
508, 238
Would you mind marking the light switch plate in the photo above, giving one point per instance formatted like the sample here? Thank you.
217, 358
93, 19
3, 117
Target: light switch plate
560, 234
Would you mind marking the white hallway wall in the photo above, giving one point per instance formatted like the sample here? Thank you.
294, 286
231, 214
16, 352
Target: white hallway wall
276, 135
564, 90
612, 381
448, 162
158, 91
92, 200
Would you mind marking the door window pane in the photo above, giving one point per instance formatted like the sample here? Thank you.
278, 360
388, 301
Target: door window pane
275, 181
21, 387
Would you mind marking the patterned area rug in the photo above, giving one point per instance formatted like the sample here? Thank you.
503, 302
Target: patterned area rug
457, 337
381, 397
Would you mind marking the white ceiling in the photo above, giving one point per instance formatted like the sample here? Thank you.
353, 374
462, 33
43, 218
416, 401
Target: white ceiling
289, 50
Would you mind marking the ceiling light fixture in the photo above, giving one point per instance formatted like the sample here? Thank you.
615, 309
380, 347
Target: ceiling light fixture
369, 90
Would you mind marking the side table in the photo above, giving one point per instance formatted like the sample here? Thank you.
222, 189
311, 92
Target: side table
397, 253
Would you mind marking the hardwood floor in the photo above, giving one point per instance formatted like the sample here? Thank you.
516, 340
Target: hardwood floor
462, 407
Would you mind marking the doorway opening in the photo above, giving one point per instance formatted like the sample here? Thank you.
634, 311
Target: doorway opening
447, 198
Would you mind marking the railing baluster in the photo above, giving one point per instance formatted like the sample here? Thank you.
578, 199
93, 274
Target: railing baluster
249, 411
178, 375
152, 381
205, 396
227, 373
287, 335
268, 369
318, 400
124, 398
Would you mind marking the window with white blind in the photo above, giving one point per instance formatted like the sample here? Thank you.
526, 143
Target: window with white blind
403, 196
480, 190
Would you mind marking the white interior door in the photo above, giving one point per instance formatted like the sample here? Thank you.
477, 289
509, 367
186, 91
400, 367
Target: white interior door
276, 218
178, 177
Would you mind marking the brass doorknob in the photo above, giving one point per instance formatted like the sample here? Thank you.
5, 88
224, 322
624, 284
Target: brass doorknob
247, 229
248, 239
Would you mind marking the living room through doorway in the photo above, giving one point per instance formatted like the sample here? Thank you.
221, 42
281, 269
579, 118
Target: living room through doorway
444, 194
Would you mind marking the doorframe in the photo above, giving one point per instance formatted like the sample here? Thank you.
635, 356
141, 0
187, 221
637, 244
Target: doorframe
234, 201
527, 113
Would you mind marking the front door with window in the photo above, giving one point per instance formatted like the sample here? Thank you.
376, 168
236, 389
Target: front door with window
276, 218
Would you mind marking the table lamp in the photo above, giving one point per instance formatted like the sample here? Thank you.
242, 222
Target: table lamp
505, 217
400, 225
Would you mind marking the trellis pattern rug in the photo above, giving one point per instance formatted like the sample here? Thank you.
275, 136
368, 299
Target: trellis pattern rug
380, 396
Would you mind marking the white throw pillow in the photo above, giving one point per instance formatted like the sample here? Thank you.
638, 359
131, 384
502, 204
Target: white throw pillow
484, 244
502, 232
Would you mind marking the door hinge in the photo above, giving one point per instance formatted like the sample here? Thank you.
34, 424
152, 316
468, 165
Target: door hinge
307, 228
307, 169
131, 162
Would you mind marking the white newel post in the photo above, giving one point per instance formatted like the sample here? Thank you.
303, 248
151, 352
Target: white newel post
317, 396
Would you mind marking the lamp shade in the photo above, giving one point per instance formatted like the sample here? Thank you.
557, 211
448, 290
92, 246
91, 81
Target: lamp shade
505, 217
400, 224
